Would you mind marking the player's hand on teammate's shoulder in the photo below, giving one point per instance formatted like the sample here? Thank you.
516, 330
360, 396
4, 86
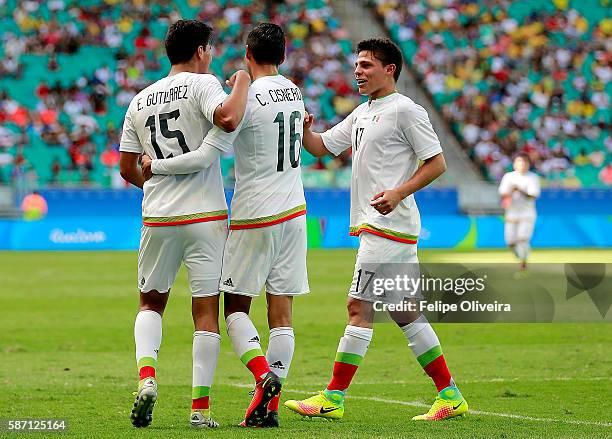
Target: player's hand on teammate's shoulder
238, 75
386, 201
308, 120
145, 165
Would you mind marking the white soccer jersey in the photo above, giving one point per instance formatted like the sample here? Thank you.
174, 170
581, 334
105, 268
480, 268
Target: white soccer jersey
522, 205
166, 119
267, 147
388, 137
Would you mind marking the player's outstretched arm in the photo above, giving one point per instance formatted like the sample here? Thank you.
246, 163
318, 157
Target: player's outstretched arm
313, 143
188, 163
228, 115
386, 201
129, 170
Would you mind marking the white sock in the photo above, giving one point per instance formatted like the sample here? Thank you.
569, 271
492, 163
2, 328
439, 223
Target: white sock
514, 248
354, 342
526, 250
351, 350
280, 350
205, 353
147, 336
245, 340
420, 335
522, 249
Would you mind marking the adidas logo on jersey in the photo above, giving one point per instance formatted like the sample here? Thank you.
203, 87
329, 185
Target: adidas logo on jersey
255, 339
228, 282
142, 282
278, 365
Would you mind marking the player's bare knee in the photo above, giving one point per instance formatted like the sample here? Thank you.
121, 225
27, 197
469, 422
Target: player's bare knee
153, 301
205, 313
279, 318
235, 303
279, 311
403, 318
360, 313
206, 324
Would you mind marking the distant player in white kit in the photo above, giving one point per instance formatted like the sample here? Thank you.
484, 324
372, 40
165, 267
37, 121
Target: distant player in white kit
184, 217
518, 190
267, 239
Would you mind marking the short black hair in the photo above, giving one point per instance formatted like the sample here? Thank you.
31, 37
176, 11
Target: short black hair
524, 156
267, 43
384, 50
183, 39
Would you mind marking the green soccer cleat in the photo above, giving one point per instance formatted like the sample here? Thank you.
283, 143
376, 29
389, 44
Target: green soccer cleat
327, 404
142, 413
202, 419
448, 404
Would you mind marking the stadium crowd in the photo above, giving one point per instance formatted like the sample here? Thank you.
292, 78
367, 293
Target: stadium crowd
516, 76
508, 76
70, 132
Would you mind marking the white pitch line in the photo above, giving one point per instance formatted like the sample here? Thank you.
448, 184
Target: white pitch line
495, 380
480, 412
473, 412
522, 379
468, 381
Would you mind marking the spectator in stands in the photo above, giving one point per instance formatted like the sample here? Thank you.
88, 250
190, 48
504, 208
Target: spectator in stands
605, 175
494, 70
315, 52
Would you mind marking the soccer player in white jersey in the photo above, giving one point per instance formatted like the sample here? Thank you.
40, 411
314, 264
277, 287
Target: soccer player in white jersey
518, 190
266, 246
389, 134
184, 217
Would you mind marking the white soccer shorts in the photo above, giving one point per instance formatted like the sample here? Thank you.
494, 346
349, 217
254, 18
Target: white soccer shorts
516, 230
382, 256
273, 256
199, 246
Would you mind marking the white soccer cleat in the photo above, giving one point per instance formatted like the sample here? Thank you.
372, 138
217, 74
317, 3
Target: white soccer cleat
202, 419
142, 413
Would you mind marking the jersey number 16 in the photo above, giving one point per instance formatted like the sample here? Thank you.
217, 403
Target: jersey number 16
294, 138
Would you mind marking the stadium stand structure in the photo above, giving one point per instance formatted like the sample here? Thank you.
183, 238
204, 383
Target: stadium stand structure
532, 76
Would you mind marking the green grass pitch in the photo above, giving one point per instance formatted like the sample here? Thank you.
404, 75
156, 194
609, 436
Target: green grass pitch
66, 351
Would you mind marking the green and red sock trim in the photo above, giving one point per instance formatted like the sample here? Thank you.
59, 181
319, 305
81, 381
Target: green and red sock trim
434, 364
146, 367
345, 367
200, 398
256, 362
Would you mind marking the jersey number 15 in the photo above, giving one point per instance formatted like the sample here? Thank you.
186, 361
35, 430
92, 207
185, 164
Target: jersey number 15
167, 133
